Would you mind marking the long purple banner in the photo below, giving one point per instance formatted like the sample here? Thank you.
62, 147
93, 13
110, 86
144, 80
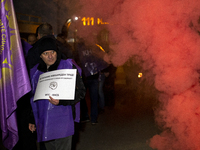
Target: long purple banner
14, 80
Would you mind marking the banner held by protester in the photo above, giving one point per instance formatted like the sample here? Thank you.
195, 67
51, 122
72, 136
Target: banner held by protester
14, 80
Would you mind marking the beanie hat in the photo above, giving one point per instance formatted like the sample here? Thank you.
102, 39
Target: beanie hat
47, 44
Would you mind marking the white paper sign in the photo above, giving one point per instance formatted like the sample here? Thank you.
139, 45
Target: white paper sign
59, 84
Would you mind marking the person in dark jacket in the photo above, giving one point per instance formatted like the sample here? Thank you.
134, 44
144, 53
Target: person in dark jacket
64, 47
27, 139
53, 128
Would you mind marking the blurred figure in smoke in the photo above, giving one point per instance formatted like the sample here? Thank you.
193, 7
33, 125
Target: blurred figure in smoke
106, 89
91, 65
90, 81
62, 41
132, 69
109, 87
64, 47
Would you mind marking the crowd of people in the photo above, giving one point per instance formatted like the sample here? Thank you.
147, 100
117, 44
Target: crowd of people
51, 121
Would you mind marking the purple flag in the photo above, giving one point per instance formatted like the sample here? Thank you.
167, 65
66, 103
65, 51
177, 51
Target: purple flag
14, 80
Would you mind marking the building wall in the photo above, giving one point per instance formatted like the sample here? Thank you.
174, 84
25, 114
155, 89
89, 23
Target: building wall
49, 10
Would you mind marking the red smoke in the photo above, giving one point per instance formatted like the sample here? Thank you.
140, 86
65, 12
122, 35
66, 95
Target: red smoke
164, 33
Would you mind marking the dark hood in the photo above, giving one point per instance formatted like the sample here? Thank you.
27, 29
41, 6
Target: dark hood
43, 67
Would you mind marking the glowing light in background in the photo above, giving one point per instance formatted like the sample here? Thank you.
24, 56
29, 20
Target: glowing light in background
101, 48
76, 18
139, 75
91, 21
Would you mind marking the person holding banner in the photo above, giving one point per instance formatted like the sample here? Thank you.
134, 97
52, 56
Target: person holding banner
54, 118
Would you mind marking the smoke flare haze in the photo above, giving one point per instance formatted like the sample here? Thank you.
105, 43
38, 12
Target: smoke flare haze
164, 34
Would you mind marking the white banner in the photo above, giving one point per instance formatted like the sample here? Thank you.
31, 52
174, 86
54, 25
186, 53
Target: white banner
59, 84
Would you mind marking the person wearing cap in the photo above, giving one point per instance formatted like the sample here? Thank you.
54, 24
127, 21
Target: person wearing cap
53, 118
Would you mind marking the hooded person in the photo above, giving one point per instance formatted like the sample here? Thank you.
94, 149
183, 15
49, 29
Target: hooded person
53, 118
33, 54
45, 30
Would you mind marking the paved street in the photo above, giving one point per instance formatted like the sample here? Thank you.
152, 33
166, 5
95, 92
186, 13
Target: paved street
127, 126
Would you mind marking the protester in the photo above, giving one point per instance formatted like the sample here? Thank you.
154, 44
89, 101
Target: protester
108, 75
45, 30
33, 57
91, 65
27, 139
102, 76
58, 127
32, 38
102, 43
62, 40
109, 86
64, 47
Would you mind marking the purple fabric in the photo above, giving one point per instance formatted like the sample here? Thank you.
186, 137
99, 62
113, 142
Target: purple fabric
90, 62
14, 80
53, 122
26, 46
